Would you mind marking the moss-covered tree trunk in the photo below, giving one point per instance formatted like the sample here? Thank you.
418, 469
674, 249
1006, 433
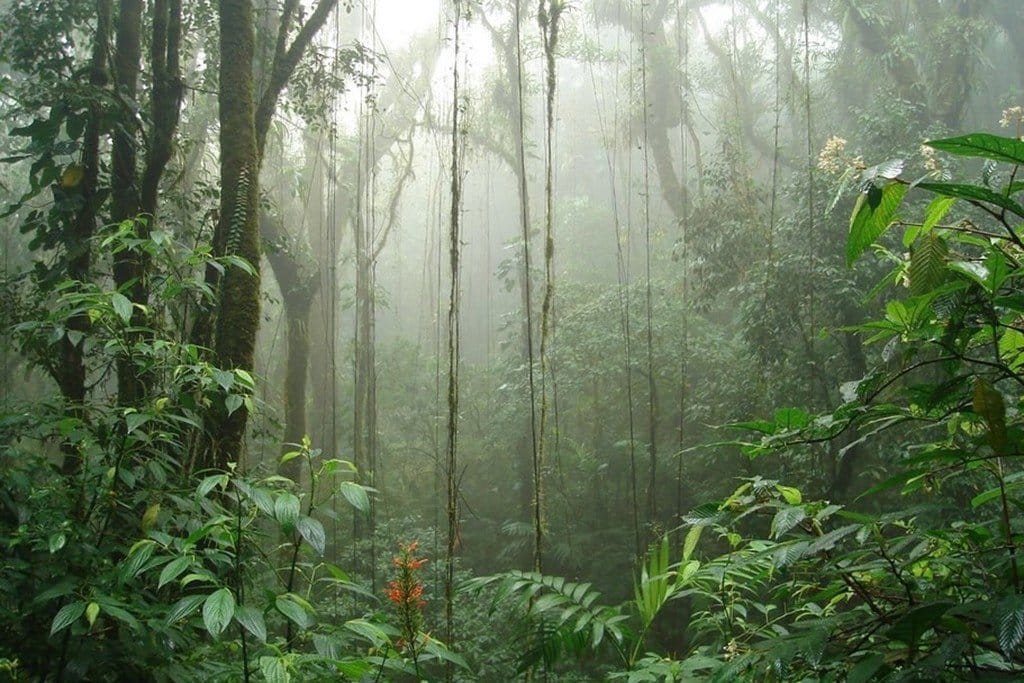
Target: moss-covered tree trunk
237, 232
243, 134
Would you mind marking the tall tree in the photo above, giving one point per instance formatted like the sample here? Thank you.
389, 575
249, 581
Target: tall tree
243, 133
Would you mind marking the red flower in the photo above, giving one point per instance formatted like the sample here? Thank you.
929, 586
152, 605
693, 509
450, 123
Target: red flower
406, 592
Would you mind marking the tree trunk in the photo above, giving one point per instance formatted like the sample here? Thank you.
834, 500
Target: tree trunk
128, 266
236, 233
70, 374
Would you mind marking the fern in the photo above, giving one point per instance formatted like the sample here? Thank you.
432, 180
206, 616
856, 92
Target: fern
562, 617
240, 214
1011, 624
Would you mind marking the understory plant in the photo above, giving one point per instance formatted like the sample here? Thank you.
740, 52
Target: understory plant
919, 578
121, 560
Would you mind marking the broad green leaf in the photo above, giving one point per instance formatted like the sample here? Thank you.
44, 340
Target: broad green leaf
788, 419
135, 420
252, 620
371, 632
789, 494
218, 608
233, 402
326, 646
988, 403
225, 378
918, 620
983, 145
873, 214
973, 270
122, 306
865, 669
150, 517
1011, 348
184, 608
313, 532
67, 615
355, 495
173, 570
975, 193
274, 670
286, 510
208, 484
998, 270
927, 263
294, 611
137, 557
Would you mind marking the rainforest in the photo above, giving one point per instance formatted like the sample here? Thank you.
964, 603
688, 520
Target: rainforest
512, 340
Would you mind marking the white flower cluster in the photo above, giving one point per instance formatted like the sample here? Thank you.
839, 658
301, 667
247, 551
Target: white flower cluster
1012, 116
930, 160
830, 158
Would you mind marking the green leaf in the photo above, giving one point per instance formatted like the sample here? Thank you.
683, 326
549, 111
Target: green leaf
252, 620
936, 211
137, 557
67, 615
208, 484
218, 609
274, 670
225, 378
184, 608
982, 145
122, 306
1010, 615
233, 402
785, 519
173, 570
313, 532
690, 542
988, 403
873, 214
135, 420
286, 510
985, 497
789, 494
927, 264
355, 495
91, 612
56, 542
371, 632
865, 669
975, 193
294, 611
917, 621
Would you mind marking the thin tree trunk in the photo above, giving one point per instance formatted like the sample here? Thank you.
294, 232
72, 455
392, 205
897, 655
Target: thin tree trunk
70, 374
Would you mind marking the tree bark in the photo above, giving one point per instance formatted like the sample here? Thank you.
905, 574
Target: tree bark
236, 232
70, 372
243, 132
128, 263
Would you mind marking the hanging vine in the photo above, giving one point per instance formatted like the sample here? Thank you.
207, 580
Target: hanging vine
652, 395
548, 15
451, 460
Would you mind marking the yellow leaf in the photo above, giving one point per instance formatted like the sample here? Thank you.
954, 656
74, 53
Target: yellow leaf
72, 176
150, 516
